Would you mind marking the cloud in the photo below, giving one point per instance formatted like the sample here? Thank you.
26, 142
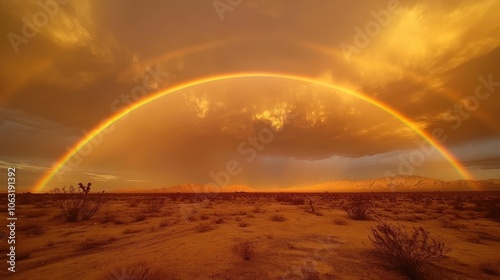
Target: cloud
102, 177
23, 165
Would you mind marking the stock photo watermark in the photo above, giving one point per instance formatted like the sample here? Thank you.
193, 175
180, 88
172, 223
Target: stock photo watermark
153, 79
223, 6
248, 150
32, 25
11, 218
364, 36
460, 112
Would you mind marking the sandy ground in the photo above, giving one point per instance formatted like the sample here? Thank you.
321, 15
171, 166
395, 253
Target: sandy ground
196, 239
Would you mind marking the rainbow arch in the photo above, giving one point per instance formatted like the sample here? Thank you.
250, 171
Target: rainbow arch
114, 118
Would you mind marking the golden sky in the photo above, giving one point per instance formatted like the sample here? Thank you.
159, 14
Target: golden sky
68, 66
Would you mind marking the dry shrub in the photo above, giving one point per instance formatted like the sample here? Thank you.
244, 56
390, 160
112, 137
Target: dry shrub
491, 268
78, 203
243, 224
406, 251
358, 208
137, 271
309, 272
493, 212
278, 218
219, 220
154, 203
204, 217
140, 218
131, 231
257, 209
340, 221
89, 244
204, 227
244, 249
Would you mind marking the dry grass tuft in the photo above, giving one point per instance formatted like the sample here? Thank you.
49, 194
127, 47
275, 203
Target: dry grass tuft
244, 249
204, 227
89, 244
340, 221
137, 271
278, 218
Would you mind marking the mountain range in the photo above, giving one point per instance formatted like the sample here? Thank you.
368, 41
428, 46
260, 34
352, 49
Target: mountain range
401, 183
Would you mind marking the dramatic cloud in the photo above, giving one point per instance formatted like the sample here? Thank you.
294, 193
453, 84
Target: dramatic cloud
70, 65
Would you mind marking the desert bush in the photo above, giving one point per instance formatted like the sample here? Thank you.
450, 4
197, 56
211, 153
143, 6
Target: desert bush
31, 229
244, 249
493, 212
78, 203
204, 217
89, 244
131, 231
491, 268
340, 221
154, 203
404, 250
219, 220
137, 271
257, 209
140, 218
309, 272
243, 224
278, 218
358, 208
204, 227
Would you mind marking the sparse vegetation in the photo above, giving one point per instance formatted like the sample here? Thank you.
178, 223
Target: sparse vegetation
236, 216
244, 249
219, 220
204, 227
137, 271
406, 251
243, 224
89, 243
358, 207
154, 203
278, 218
78, 203
340, 221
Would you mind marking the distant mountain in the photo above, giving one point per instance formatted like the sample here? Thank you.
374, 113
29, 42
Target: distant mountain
401, 183
196, 188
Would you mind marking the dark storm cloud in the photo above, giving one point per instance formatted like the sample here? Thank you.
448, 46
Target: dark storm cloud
425, 61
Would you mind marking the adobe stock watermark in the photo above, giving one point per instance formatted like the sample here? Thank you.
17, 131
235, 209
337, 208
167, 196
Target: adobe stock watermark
153, 79
327, 245
31, 27
364, 36
459, 113
223, 6
248, 150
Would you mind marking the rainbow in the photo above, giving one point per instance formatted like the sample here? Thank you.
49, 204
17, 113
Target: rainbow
119, 115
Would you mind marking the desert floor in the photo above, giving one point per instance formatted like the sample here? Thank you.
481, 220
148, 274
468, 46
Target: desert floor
198, 237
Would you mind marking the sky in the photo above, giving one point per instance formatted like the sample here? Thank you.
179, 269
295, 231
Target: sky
264, 93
